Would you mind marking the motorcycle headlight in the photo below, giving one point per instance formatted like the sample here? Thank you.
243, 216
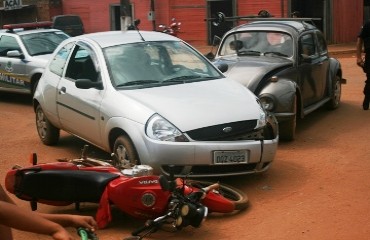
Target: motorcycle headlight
199, 216
160, 129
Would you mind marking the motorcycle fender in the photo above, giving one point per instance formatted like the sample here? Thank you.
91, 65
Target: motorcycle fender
217, 203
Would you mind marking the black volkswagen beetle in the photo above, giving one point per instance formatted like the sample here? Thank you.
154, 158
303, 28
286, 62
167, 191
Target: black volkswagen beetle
285, 62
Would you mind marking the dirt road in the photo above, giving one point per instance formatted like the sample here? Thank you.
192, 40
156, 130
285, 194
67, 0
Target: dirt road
318, 187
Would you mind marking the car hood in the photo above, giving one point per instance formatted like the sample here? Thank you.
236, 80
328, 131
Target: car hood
199, 104
250, 70
42, 58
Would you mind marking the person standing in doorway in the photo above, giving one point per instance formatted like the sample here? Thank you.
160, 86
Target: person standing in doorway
363, 43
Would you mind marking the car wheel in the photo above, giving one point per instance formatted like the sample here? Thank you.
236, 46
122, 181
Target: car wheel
287, 128
125, 155
335, 94
48, 134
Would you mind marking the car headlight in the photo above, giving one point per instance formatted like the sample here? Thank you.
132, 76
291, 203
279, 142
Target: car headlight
261, 122
267, 103
160, 129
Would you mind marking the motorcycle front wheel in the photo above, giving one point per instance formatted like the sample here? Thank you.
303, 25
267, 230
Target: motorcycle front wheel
235, 196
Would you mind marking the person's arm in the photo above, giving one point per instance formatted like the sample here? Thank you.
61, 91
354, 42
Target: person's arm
69, 220
359, 45
26, 220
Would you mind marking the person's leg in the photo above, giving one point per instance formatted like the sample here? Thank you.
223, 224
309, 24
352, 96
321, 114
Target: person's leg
366, 68
366, 101
5, 231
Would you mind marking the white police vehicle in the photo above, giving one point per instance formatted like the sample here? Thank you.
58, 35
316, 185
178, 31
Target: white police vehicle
25, 49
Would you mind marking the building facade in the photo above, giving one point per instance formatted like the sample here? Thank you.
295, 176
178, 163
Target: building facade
340, 19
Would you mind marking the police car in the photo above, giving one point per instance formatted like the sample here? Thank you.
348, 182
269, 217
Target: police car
25, 49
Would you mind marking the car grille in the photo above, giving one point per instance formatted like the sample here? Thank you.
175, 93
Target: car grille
243, 130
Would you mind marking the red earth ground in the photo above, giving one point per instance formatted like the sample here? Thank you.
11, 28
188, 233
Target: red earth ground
317, 188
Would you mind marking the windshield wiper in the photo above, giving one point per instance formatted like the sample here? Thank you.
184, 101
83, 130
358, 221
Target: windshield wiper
137, 82
276, 53
41, 53
249, 52
182, 78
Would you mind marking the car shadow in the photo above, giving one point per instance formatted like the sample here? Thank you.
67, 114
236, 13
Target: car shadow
16, 98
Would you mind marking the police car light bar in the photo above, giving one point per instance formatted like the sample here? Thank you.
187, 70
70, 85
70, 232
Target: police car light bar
33, 25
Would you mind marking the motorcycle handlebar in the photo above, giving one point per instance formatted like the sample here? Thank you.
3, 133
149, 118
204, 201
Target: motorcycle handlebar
86, 234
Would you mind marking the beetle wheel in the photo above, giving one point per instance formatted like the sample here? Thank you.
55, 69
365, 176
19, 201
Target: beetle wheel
335, 93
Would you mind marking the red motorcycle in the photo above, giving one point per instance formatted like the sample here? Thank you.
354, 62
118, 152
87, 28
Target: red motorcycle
136, 191
173, 29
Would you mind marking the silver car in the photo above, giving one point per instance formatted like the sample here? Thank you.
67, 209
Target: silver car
152, 99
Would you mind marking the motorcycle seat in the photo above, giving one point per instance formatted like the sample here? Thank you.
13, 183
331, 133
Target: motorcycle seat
62, 185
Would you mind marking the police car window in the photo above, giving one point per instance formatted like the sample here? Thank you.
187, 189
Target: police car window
42, 42
8, 43
58, 62
81, 65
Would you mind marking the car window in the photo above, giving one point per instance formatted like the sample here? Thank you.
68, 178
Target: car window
156, 63
8, 43
42, 42
321, 43
257, 43
81, 64
307, 45
58, 62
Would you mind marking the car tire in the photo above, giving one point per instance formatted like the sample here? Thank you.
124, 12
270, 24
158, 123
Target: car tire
125, 154
287, 128
335, 93
48, 134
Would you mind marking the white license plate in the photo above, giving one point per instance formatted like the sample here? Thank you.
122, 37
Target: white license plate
230, 157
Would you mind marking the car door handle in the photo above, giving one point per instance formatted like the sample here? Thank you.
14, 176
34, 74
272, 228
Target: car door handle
63, 90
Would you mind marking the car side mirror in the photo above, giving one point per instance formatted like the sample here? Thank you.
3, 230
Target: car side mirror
87, 84
15, 54
210, 56
223, 67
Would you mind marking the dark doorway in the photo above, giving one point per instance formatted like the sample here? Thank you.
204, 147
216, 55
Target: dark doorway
215, 6
366, 10
315, 9
115, 15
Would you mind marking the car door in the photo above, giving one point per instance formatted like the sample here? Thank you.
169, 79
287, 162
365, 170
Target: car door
79, 109
12, 68
312, 70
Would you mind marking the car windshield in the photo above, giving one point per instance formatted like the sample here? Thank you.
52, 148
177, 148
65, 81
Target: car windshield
258, 43
42, 42
151, 64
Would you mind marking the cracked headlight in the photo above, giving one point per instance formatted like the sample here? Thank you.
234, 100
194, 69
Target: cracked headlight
160, 129
261, 122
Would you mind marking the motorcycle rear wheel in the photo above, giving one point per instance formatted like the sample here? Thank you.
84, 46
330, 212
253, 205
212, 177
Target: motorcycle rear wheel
239, 198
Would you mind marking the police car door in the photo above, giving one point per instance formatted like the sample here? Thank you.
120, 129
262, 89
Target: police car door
13, 75
79, 109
